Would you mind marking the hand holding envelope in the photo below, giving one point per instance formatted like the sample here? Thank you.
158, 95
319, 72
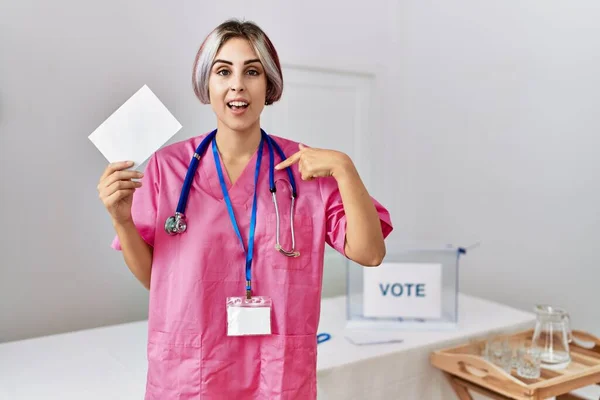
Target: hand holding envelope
116, 189
127, 138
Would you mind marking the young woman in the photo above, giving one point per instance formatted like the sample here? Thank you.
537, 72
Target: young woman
234, 279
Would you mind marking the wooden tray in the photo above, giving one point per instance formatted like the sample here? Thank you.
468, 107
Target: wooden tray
465, 362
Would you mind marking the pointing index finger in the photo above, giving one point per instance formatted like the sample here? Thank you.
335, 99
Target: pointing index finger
288, 161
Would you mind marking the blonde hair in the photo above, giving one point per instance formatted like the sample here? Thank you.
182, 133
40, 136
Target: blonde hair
261, 43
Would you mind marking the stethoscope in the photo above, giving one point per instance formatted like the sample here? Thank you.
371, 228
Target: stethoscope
177, 224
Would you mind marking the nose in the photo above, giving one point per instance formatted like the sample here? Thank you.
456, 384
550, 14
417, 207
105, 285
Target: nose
237, 84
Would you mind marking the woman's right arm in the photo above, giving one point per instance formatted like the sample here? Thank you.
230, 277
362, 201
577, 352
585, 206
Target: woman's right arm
116, 189
136, 252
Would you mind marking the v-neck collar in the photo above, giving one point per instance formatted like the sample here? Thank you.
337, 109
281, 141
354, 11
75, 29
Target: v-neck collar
243, 188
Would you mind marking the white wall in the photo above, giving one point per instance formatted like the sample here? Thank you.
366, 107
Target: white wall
487, 111
499, 104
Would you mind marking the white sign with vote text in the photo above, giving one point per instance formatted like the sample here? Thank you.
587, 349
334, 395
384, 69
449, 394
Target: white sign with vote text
403, 290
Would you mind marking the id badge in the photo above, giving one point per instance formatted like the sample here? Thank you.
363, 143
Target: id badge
248, 316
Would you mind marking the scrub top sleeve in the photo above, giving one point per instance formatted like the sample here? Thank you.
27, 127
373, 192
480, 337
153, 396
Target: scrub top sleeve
144, 206
335, 217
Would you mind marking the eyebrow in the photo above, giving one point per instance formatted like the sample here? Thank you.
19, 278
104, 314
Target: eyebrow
230, 63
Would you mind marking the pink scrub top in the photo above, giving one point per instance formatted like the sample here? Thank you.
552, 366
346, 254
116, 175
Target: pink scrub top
189, 353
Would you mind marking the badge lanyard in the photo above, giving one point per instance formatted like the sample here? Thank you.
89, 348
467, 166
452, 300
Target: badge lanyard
252, 315
250, 251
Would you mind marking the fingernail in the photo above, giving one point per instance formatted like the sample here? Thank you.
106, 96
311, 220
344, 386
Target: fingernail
140, 174
129, 162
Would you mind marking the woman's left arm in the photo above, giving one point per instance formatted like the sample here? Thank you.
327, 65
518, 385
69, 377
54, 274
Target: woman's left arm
364, 238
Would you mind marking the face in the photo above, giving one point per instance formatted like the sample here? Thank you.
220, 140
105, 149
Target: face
237, 86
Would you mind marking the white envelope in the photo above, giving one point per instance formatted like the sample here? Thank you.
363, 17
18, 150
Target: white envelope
136, 129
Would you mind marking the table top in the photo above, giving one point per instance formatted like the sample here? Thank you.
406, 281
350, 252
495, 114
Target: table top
476, 316
79, 364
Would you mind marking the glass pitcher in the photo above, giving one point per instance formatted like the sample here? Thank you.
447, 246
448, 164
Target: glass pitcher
552, 336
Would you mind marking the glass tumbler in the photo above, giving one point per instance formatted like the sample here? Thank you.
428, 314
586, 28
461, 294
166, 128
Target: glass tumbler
529, 360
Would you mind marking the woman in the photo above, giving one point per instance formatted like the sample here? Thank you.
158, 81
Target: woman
196, 347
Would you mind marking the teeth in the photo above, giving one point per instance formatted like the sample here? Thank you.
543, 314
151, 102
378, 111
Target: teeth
238, 103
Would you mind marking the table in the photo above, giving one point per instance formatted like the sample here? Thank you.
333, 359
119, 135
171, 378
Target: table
402, 370
110, 362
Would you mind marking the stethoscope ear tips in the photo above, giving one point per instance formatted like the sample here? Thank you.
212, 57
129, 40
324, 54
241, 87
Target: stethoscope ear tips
175, 224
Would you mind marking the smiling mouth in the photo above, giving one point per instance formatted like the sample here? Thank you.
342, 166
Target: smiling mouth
237, 105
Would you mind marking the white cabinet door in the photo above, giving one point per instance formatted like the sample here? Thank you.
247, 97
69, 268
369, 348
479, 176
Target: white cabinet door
326, 109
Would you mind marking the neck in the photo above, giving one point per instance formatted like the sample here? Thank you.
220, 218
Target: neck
237, 145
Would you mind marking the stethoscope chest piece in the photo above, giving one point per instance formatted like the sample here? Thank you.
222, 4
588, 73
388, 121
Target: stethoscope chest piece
175, 224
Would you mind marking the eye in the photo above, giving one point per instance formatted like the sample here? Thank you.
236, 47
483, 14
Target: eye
223, 72
253, 72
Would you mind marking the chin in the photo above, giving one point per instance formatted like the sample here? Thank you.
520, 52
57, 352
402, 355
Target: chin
241, 126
